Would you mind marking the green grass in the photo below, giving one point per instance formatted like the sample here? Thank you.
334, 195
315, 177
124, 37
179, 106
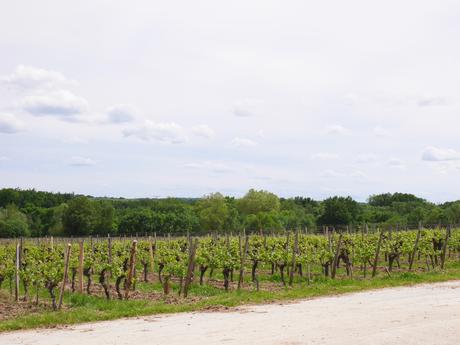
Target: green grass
83, 308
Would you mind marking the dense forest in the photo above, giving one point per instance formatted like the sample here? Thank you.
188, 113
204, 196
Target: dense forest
36, 213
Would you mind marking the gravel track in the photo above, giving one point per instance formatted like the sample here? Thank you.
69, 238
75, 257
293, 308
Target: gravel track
423, 314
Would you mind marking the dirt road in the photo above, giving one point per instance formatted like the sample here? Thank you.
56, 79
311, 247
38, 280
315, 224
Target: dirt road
425, 314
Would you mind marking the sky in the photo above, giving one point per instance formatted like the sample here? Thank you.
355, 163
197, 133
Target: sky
184, 98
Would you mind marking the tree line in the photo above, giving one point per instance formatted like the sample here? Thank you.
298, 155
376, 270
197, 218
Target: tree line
37, 213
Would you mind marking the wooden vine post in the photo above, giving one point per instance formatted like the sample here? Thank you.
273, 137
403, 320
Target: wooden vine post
151, 254
191, 266
336, 257
66, 274
414, 251
377, 253
243, 254
286, 248
329, 241
16, 285
109, 245
81, 257
21, 248
295, 249
444, 247
109, 259
132, 263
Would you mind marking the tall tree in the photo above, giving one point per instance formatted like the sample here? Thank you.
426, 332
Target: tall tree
258, 201
80, 216
13, 223
104, 217
339, 210
213, 212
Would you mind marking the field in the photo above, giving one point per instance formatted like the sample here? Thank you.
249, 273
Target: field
48, 282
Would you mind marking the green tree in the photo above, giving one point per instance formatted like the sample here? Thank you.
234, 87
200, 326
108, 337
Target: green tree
105, 221
174, 216
9, 196
295, 214
213, 212
80, 216
13, 223
453, 213
435, 216
234, 221
258, 201
339, 210
138, 220
264, 221
56, 225
388, 199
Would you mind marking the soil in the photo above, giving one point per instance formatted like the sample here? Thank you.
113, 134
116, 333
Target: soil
10, 309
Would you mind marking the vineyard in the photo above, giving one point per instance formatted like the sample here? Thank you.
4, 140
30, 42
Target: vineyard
46, 271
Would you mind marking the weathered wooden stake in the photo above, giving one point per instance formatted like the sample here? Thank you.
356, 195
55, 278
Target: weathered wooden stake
109, 245
132, 262
242, 259
66, 273
81, 257
16, 286
414, 251
336, 257
444, 247
377, 252
191, 266
152, 257
294, 253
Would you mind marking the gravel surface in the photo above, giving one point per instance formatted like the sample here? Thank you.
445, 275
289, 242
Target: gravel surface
423, 314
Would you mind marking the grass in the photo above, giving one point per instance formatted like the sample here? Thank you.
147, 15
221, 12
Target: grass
84, 308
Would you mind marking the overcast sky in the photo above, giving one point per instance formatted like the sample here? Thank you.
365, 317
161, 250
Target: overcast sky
183, 98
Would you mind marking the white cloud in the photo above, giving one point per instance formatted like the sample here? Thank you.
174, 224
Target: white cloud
381, 132
332, 173
75, 140
121, 113
31, 77
360, 175
242, 142
215, 167
443, 168
170, 133
61, 103
337, 130
432, 101
10, 124
446, 167
435, 154
396, 163
81, 161
246, 107
203, 131
3, 158
324, 156
366, 158
260, 133
350, 99
356, 174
